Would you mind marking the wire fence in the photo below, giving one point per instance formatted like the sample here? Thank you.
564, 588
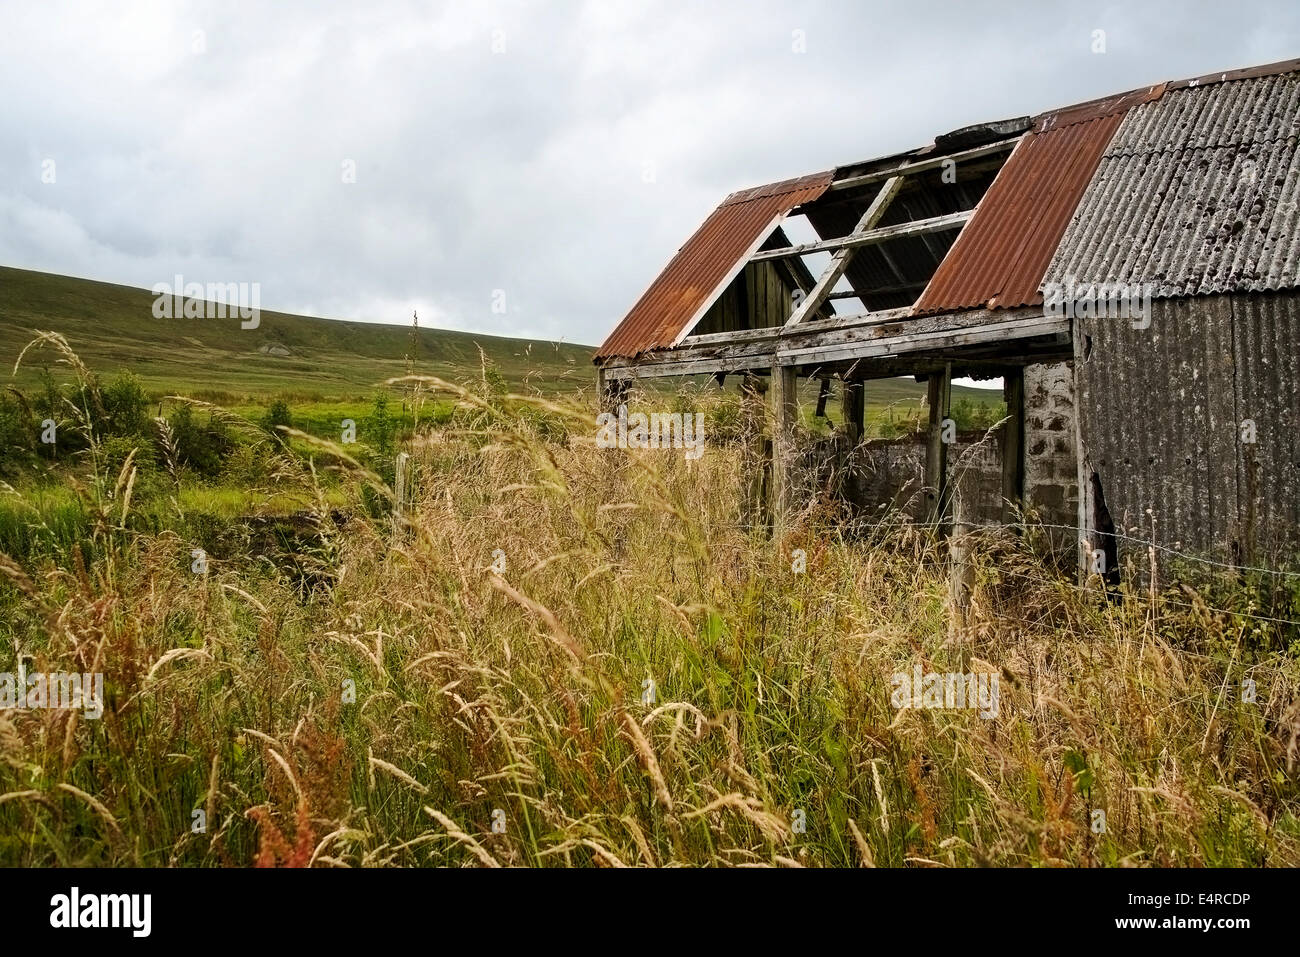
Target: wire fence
1020, 528
896, 523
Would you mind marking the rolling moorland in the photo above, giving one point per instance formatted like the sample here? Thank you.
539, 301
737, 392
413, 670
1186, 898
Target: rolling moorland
113, 328
528, 651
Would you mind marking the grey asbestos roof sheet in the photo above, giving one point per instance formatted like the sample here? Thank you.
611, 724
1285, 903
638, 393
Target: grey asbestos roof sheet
1197, 193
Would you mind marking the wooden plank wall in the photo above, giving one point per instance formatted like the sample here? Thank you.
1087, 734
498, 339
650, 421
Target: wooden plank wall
758, 283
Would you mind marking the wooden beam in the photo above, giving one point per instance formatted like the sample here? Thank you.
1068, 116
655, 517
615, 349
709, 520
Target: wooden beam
880, 291
610, 390
867, 343
934, 224
870, 336
921, 367
853, 396
823, 393
909, 169
840, 261
674, 365
772, 333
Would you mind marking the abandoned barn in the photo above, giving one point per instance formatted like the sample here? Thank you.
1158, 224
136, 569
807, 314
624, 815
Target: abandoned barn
1128, 267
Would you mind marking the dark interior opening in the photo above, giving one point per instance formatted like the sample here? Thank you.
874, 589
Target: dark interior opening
1104, 526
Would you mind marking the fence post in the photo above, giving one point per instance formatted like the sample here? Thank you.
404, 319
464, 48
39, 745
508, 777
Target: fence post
758, 454
785, 413
961, 581
853, 403
401, 490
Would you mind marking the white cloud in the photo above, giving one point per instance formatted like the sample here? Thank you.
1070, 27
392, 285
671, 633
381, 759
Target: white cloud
519, 170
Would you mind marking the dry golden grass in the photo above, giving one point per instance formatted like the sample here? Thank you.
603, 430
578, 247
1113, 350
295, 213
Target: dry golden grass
498, 718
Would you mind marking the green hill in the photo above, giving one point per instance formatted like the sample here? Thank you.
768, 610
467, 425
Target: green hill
113, 327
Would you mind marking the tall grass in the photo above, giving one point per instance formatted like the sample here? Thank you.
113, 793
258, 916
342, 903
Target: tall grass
503, 715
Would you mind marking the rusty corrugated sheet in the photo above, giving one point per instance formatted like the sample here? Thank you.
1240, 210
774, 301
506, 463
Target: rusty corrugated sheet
1000, 257
1018, 236
1198, 193
1096, 109
698, 272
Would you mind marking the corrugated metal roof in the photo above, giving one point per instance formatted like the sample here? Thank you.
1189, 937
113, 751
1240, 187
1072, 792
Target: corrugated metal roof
1198, 193
707, 261
1096, 109
1000, 257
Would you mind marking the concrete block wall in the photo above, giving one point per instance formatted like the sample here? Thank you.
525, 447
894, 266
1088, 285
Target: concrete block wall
1051, 463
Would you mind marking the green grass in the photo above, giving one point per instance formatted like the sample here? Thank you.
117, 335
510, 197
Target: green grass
325, 418
112, 327
354, 692
237, 501
346, 687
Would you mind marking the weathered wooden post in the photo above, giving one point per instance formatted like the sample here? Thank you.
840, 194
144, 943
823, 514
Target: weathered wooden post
937, 394
609, 392
853, 402
401, 490
823, 394
785, 411
757, 450
961, 581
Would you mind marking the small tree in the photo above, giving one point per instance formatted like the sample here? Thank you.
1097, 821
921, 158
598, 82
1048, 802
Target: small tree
17, 433
277, 416
381, 426
126, 405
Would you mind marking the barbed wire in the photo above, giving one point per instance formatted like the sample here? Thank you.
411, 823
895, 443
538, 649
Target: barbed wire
1246, 667
1161, 598
1027, 526
930, 524
1093, 591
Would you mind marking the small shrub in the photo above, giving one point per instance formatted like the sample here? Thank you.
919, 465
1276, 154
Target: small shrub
381, 427
200, 447
17, 434
126, 406
115, 450
277, 416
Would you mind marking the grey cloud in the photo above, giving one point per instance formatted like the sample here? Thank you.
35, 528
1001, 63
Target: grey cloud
520, 170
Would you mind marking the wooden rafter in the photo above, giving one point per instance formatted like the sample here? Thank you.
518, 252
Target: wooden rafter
840, 261
878, 337
871, 237
920, 166
880, 290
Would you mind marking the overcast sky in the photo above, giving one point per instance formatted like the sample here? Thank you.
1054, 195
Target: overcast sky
560, 152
